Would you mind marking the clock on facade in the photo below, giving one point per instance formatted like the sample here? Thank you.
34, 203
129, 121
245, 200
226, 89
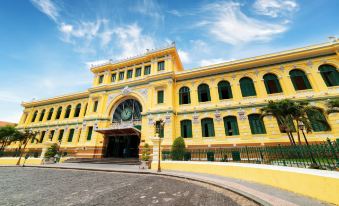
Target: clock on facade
126, 113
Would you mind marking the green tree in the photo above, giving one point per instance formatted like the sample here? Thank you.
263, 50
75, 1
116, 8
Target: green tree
52, 151
333, 106
24, 138
282, 110
8, 135
178, 149
146, 151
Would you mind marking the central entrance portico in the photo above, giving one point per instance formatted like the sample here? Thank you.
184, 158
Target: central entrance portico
122, 137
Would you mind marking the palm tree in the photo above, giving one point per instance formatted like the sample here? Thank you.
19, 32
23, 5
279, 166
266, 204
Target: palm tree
301, 114
25, 137
333, 106
282, 111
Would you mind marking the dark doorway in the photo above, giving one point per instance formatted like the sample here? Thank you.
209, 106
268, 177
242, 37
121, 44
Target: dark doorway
123, 146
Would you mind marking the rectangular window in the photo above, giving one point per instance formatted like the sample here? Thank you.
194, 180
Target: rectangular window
89, 134
101, 79
51, 134
71, 134
95, 106
114, 77
160, 97
129, 74
61, 134
42, 136
138, 72
147, 70
121, 76
161, 66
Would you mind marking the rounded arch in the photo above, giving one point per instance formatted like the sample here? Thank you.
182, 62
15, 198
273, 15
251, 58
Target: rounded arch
127, 110
329, 74
184, 95
113, 104
272, 83
224, 90
204, 92
247, 87
299, 79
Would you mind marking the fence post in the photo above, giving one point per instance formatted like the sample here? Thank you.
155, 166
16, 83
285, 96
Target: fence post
333, 152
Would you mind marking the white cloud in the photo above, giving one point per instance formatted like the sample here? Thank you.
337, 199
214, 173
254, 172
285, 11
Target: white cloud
47, 7
207, 62
131, 40
184, 56
149, 8
229, 24
275, 8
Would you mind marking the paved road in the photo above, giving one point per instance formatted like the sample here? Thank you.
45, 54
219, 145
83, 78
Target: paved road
38, 186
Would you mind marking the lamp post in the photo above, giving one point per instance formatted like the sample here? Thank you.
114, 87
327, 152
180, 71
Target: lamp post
158, 129
301, 126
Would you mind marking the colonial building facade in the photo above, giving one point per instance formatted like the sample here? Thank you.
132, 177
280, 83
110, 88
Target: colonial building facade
211, 106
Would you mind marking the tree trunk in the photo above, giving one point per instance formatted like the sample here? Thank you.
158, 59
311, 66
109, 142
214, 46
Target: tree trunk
298, 133
289, 136
292, 138
21, 152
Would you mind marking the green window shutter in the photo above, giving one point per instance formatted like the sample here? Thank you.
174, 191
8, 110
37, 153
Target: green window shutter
231, 126
121, 75
89, 134
318, 121
61, 134
272, 84
58, 113
138, 72
247, 87
186, 128
113, 77
299, 80
95, 106
256, 124
207, 127
42, 115
50, 113
71, 134
147, 70
42, 136
161, 66
160, 97
34, 116
330, 75
77, 110
68, 111
224, 90
101, 79
204, 93
180, 97
129, 74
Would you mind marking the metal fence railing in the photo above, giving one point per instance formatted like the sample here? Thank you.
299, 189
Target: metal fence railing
323, 155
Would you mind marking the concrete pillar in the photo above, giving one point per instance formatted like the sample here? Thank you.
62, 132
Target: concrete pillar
156, 150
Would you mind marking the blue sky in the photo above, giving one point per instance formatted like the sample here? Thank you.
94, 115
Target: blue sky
46, 46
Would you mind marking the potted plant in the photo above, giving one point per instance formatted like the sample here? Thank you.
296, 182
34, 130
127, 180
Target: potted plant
145, 157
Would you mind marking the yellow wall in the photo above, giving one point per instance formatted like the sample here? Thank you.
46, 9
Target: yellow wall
322, 185
144, 89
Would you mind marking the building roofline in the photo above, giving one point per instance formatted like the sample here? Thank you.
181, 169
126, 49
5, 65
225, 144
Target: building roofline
334, 44
120, 61
66, 97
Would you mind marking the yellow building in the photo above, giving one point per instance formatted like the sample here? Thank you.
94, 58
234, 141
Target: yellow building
210, 106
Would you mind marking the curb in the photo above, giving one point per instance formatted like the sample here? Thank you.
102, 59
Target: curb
239, 192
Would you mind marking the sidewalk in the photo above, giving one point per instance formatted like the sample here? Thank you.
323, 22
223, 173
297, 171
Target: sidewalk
263, 194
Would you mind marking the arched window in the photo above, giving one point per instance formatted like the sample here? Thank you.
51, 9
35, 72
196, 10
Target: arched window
299, 80
34, 116
231, 126
58, 113
77, 110
184, 95
256, 124
318, 121
272, 84
247, 87
204, 93
186, 128
68, 111
42, 115
207, 127
330, 75
224, 89
50, 113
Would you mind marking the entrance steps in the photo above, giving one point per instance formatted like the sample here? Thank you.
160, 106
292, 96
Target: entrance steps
121, 161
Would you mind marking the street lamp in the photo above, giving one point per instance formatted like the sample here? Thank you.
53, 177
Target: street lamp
158, 129
301, 126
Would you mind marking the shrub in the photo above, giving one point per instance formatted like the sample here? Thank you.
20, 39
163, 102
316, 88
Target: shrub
187, 156
178, 149
145, 153
52, 151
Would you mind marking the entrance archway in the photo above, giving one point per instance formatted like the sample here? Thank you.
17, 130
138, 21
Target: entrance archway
123, 137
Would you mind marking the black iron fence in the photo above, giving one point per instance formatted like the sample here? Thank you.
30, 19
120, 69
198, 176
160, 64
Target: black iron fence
323, 155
